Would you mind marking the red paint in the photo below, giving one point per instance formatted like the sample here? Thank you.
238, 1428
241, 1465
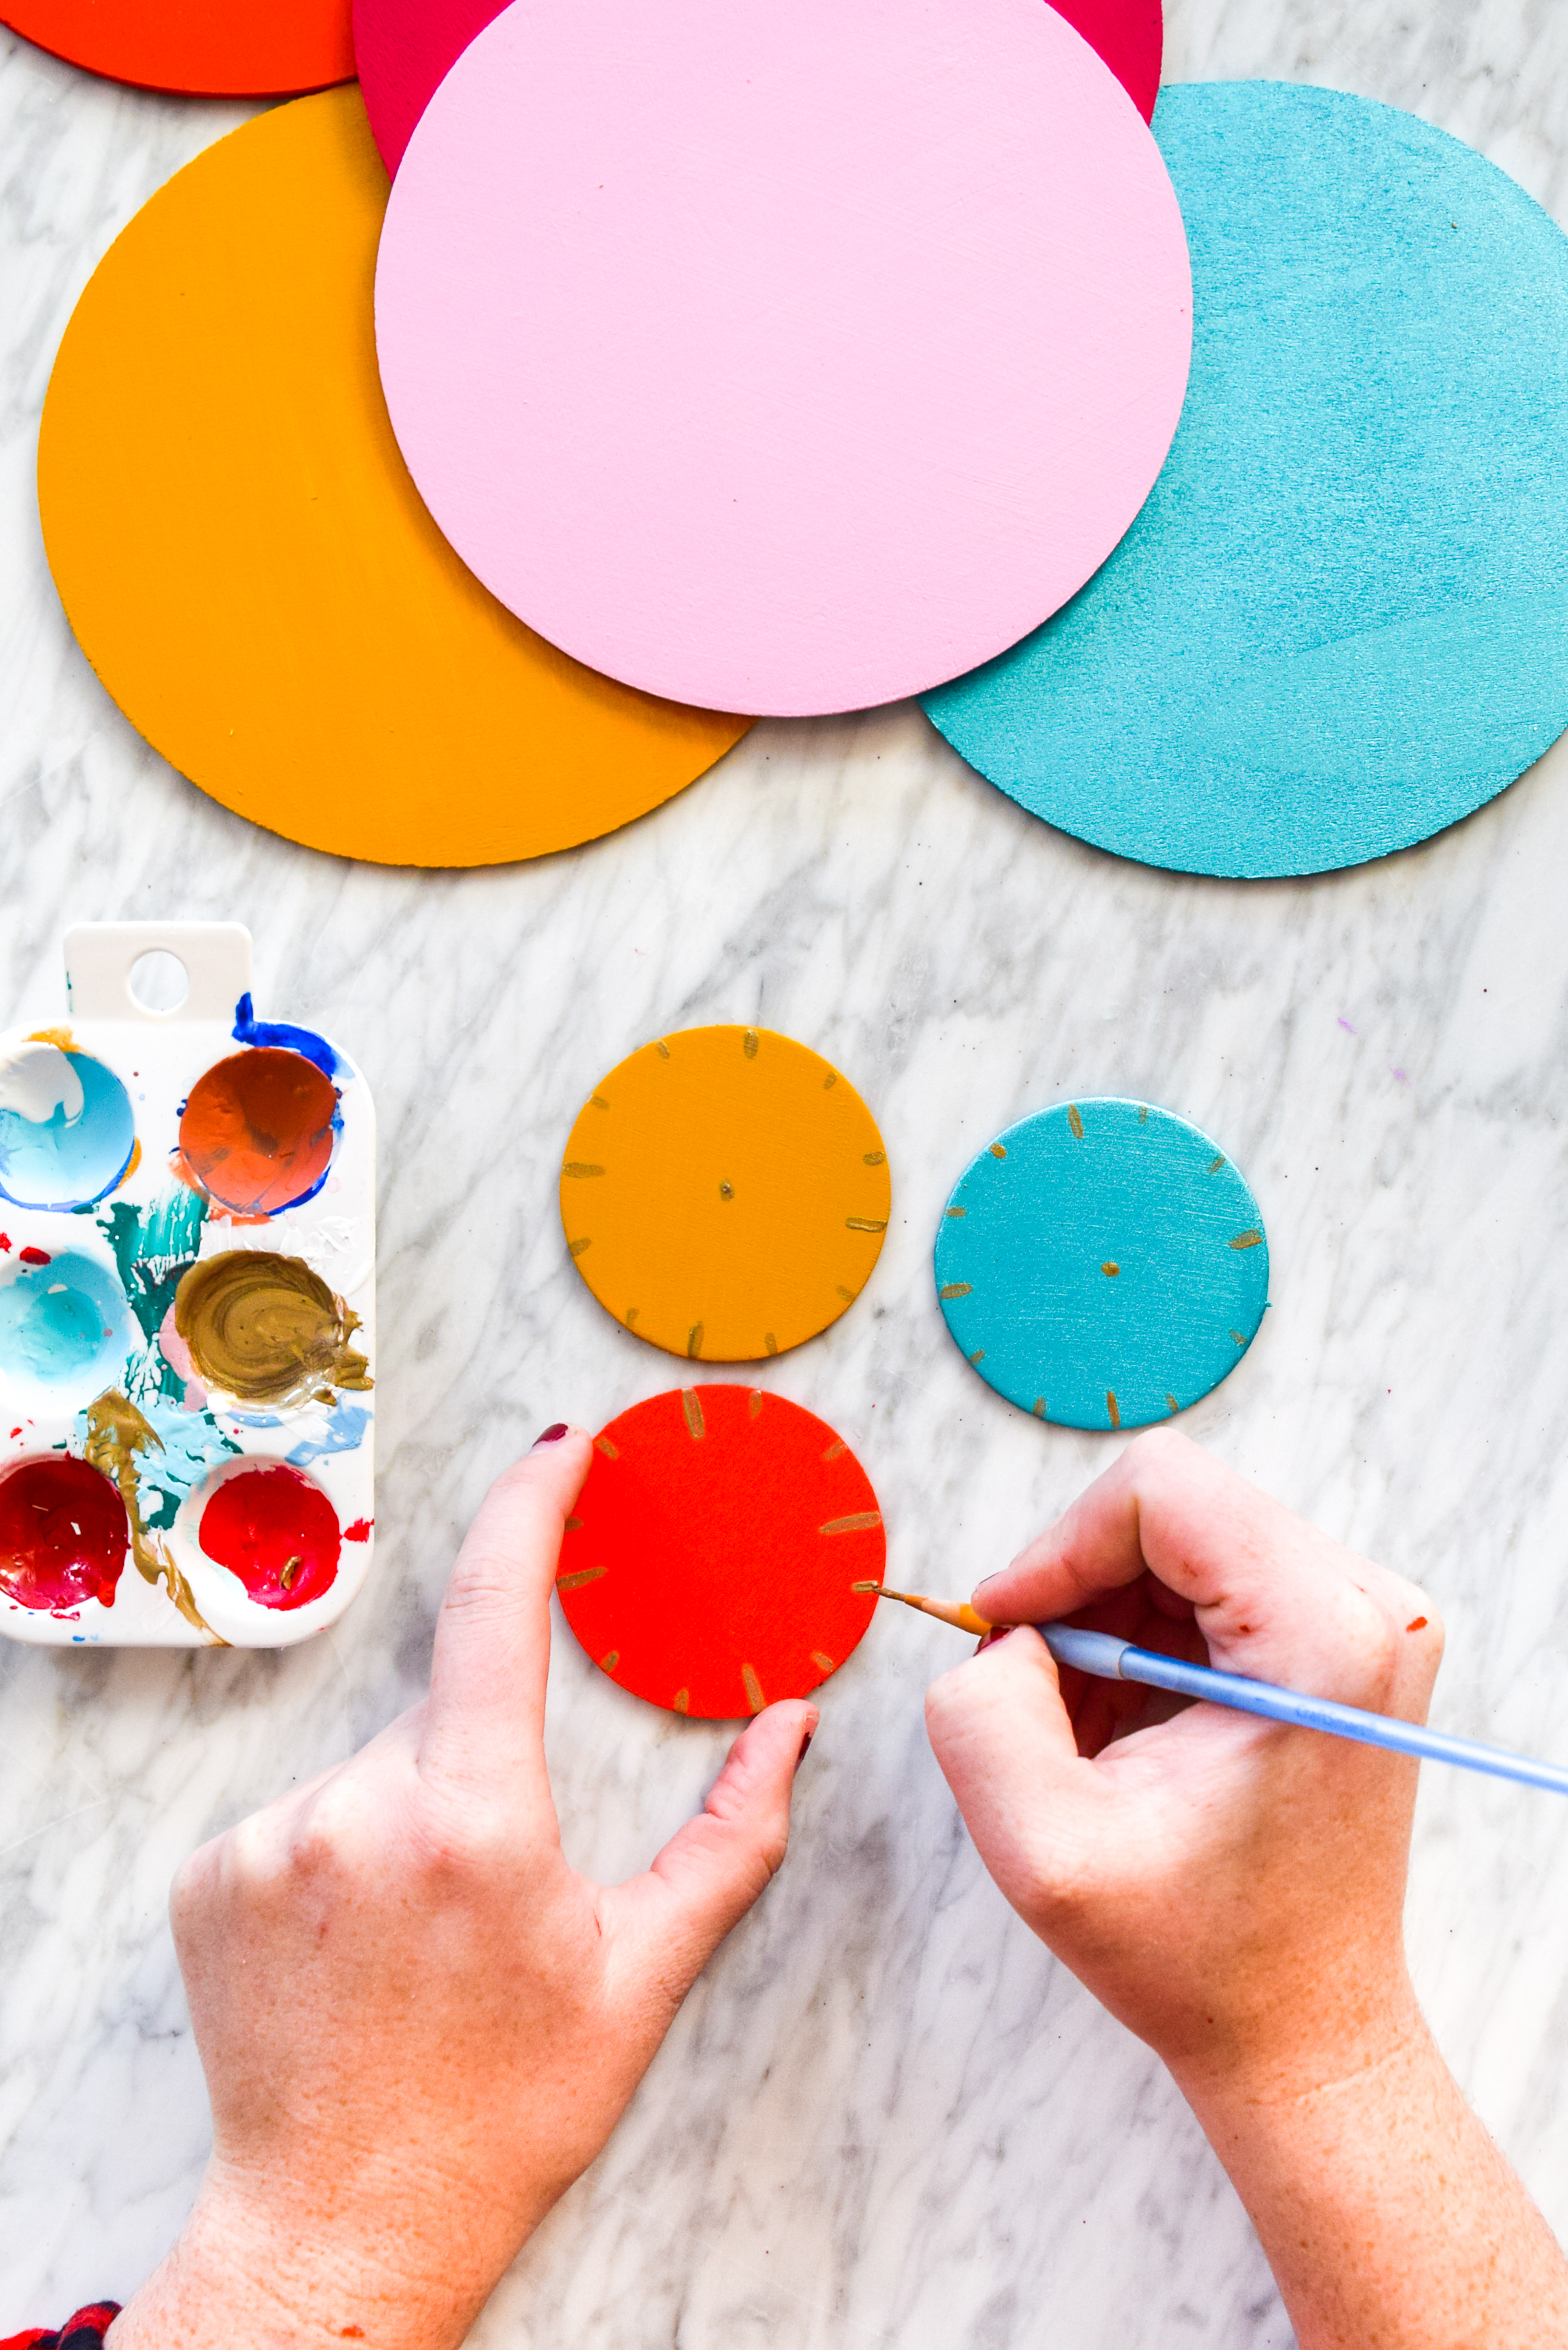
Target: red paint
1419, 1625
35, 1256
257, 1131
6, 1244
266, 1524
699, 1541
359, 1531
62, 1533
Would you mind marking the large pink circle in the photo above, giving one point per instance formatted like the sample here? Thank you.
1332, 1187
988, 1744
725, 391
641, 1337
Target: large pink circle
403, 49
782, 360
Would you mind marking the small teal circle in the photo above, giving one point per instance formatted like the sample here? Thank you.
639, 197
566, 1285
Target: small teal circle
1340, 622
63, 1323
1102, 1265
67, 1128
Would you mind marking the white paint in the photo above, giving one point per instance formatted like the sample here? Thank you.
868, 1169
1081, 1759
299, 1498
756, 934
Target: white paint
37, 1080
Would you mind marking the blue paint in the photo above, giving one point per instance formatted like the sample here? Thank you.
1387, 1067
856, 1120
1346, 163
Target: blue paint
189, 1443
63, 1325
1341, 620
343, 1432
67, 1128
249, 1029
1127, 1261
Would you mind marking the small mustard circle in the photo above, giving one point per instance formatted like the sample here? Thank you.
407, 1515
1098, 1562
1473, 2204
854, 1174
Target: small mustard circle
1109, 1268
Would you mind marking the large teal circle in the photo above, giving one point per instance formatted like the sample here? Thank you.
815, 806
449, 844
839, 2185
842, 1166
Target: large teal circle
1341, 620
1102, 1265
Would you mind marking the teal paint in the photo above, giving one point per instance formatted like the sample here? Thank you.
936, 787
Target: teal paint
67, 1128
188, 1445
64, 1324
343, 1432
154, 1246
1340, 622
1102, 1250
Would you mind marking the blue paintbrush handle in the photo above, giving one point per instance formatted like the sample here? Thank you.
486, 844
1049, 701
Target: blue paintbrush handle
1109, 1660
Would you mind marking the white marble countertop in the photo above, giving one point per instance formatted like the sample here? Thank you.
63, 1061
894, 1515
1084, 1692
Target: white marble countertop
885, 2115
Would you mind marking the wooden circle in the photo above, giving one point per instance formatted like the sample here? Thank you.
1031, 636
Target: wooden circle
724, 1193
710, 1563
251, 571
217, 48
1102, 1265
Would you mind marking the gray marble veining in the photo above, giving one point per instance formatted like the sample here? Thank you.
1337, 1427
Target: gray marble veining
885, 2118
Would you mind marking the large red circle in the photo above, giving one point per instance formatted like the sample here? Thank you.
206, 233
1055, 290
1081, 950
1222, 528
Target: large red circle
710, 1563
63, 1534
240, 48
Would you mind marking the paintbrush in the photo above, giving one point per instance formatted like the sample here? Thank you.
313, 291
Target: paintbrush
1107, 1659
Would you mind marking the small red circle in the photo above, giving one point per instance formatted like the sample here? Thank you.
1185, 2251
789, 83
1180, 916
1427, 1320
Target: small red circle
277, 1532
63, 1534
710, 1563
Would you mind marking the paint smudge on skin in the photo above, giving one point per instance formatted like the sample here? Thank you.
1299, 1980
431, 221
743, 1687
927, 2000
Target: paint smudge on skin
344, 1432
64, 1534
118, 1440
277, 1533
68, 1132
266, 1329
63, 1322
257, 1133
249, 1029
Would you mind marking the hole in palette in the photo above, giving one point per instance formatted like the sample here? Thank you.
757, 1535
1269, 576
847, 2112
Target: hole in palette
187, 1307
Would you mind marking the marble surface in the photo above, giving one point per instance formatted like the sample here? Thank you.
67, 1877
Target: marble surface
884, 2117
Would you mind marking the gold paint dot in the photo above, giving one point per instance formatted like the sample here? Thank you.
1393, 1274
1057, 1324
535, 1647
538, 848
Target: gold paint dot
955, 1211
726, 1191
876, 1159
977, 1356
691, 1405
824, 1664
997, 1151
597, 1101
631, 1314
1108, 1267
608, 1664
836, 1448
848, 1294
955, 1289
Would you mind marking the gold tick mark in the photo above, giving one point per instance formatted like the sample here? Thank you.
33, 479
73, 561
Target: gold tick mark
573, 1525
754, 1697
865, 1224
583, 1575
1109, 1268
694, 1341
955, 1289
608, 1664
1247, 1240
1216, 1164
875, 1158
726, 1191
1112, 1407
611, 1451
750, 1046
578, 1168
824, 1664
691, 1405
754, 1402
769, 1342
578, 1246
1039, 1407
862, 1522
682, 1700
1075, 1121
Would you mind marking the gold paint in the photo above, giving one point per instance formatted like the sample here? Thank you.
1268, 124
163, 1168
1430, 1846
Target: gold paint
1170, 1399
115, 1433
754, 1403
955, 1289
862, 1522
1108, 1267
608, 1664
979, 1354
955, 1211
1143, 1114
872, 1586
1247, 1240
598, 1101
831, 1079
682, 1700
769, 1342
824, 1664
865, 1224
873, 1158
1075, 1121
1111, 1407
694, 1342
836, 1448
288, 1575
726, 1191
265, 1330
754, 1697
573, 1525
750, 1046
691, 1405
1240, 1341
583, 1575
663, 1049
1216, 1164
1039, 1407
848, 1294
631, 1314
611, 1451
997, 1151
580, 1167
578, 1246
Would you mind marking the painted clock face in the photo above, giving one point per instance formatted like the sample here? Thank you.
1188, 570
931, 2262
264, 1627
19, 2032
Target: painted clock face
711, 1564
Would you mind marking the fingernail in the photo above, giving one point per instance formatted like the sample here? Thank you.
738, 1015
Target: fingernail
552, 1435
805, 1743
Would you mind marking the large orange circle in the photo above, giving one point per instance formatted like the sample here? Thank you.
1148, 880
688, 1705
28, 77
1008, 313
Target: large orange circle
251, 571
711, 1564
213, 48
724, 1193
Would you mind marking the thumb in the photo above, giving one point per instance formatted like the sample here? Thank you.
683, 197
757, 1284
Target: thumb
668, 1922
1032, 1805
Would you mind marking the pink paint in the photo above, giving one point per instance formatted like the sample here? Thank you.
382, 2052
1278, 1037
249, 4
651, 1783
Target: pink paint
63, 1534
277, 1532
177, 1355
782, 360
405, 48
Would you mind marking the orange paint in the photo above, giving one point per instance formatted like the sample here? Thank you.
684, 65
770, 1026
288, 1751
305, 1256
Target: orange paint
719, 1571
240, 48
257, 1131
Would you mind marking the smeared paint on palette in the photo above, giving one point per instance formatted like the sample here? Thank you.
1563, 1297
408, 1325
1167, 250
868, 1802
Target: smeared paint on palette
187, 1310
1102, 1265
711, 1563
724, 1193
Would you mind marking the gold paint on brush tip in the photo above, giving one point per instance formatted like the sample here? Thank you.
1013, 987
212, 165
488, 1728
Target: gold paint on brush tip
961, 1616
691, 1405
862, 1522
583, 1575
1111, 1406
1248, 1240
1075, 1121
754, 1697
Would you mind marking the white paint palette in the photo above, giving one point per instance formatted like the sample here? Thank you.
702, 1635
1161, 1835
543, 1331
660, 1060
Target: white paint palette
187, 1310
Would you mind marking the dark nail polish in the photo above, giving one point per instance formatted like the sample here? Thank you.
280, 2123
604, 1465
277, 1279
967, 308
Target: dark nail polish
552, 1435
805, 1742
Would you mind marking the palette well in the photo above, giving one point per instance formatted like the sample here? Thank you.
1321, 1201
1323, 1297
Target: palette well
725, 1553
1102, 1265
187, 1311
